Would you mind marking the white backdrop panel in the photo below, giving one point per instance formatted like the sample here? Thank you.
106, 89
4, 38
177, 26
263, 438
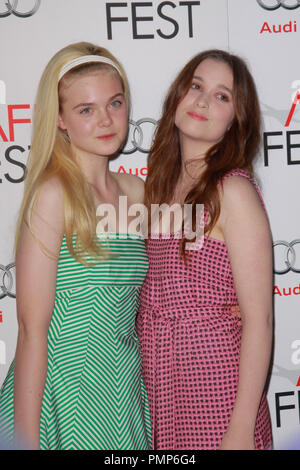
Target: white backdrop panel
153, 40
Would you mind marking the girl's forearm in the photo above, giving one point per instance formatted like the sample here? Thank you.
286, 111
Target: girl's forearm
254, 365
29, 382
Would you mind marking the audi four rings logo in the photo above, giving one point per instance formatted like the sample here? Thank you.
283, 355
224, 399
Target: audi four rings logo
137, 133
7, 281
288, 257
274, 4
11, 9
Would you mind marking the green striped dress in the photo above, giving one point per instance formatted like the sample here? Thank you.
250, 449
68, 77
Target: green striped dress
94, 394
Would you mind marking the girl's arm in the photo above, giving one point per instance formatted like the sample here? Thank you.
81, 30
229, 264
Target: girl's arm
36, 283
247, 236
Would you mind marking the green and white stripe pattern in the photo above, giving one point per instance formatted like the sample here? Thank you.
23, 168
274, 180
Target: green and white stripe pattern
94, 394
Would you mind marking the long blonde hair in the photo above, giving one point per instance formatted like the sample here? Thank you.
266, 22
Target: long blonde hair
50, 153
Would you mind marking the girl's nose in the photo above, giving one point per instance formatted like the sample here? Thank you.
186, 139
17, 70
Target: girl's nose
203, 100
104, 118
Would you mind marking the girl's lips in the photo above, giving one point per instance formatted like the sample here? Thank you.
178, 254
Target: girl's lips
106, 137
198, 117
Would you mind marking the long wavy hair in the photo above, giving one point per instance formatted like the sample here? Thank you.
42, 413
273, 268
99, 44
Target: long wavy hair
51, 156
237, 149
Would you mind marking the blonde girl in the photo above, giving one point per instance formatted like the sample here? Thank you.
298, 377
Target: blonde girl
76, 379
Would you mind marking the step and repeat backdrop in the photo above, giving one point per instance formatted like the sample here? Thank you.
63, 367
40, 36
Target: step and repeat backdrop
153, 40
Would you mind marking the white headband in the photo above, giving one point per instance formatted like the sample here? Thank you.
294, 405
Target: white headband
85, 59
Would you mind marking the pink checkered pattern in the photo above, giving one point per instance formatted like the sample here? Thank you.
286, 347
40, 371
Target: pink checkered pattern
190, 342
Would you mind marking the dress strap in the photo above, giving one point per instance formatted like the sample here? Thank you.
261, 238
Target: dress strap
239, 172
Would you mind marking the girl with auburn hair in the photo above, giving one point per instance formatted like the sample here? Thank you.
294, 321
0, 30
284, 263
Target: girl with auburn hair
76, 379
205, 362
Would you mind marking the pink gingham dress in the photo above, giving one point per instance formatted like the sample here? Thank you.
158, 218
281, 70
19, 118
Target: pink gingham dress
190, 342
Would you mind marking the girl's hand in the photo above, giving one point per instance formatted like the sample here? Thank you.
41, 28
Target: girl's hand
237, 441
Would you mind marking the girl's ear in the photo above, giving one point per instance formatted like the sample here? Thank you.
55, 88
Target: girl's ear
60, 123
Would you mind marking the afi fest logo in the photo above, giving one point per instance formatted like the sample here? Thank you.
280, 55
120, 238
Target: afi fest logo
14, 7
275, 4
145, 17
288, 400
11, 154
296, 101
284, 116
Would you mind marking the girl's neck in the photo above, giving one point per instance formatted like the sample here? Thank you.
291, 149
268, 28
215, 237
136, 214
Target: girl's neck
96, 170
190, 174
192, 169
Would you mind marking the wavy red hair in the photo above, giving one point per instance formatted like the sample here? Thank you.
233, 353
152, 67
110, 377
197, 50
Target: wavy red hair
237, 149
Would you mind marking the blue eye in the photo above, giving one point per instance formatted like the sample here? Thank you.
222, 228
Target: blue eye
85, 111
116, 103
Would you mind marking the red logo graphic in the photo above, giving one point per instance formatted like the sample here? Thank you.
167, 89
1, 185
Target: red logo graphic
1, 316
298, 383
285, 291
295, 102
12, 121
273, 28
133, 171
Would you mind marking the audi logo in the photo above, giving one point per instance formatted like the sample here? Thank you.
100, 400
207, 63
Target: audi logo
7, 281
274, 4
138, 137
11, 9
287, 256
